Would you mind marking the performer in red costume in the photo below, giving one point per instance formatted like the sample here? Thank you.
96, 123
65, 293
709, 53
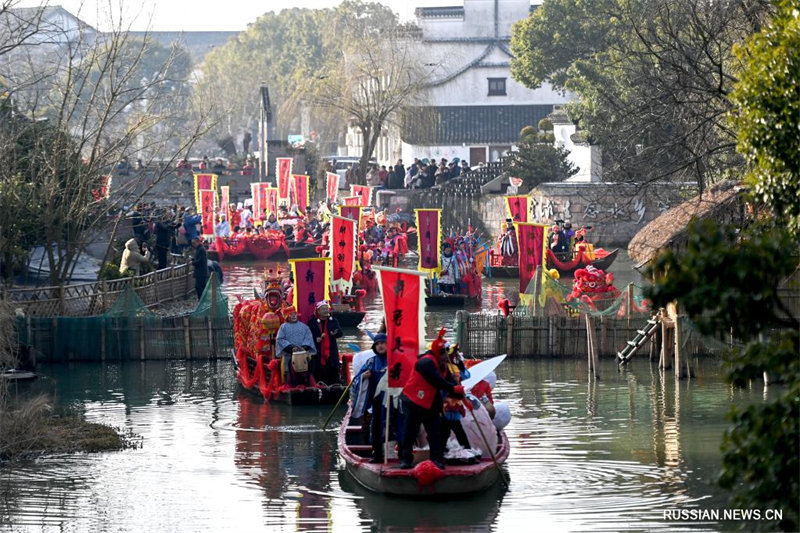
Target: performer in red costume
422, 402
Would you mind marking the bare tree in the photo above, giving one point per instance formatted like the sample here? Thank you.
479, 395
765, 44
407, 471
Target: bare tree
378, 77
81, 109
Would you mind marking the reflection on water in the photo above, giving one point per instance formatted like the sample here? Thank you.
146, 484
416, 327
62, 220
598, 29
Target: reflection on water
586, 455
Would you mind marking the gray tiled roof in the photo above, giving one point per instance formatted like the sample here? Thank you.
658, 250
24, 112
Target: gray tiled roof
453, 125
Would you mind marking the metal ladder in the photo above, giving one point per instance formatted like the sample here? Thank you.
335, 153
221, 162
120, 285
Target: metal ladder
642, 336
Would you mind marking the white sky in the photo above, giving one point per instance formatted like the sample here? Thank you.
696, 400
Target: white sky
203, 15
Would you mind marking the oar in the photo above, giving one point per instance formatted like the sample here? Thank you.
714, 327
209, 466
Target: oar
489, 448
335, 407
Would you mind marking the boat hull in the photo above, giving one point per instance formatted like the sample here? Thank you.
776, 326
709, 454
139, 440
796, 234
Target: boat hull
513, 271
327, 395
349, 319
456, 480
452, 300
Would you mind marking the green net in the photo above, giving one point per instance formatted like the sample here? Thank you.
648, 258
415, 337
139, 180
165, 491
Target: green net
131, 331
128, 305
213, 303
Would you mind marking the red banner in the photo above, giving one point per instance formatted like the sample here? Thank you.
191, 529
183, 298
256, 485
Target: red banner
353, 212
272, 201
283, 170
428, 239
263, 187
203, 182
300, 192
105, 189
403, 293
310, 284
343, 250
532, 244
364, 192
352, 200
332, 186
255, 194
517, 208
225, 201
207, 209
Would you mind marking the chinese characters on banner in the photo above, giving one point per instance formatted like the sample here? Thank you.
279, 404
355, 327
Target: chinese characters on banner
272, 201
403, 293
204, 182
517, 208
300, 196
343, 251
429, 239
532, 245
207, 209
283, 171
364, 192
353, 212
332, 186
311, 280
262, 201
225, 201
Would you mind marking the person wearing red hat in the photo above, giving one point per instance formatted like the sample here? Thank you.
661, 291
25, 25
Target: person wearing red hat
325, 330
422, 402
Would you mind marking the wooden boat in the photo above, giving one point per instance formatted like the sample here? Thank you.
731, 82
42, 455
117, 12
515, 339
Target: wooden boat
302, 250
390, 479
450, 300
248, 249
300, 395
349, 319
565, 268
13, 374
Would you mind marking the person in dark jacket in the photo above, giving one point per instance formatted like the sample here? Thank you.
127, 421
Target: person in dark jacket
422, 402
165, 232
200, 263
325, 330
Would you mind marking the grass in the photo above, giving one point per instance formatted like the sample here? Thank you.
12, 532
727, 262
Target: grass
30, 428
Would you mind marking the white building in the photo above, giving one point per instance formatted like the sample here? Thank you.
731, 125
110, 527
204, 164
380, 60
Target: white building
475, 109
586, 157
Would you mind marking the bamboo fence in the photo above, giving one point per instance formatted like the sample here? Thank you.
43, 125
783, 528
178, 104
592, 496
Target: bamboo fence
95, 298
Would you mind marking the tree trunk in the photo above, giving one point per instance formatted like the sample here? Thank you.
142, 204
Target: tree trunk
369, 141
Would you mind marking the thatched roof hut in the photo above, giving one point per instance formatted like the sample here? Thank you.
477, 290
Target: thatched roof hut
721, 203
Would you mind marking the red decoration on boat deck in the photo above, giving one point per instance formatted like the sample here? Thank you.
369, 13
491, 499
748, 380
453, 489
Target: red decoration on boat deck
426, 473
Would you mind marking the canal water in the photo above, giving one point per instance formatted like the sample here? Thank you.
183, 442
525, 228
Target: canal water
586, 455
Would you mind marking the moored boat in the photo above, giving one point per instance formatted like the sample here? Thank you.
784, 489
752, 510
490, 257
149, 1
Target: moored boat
450, 300
388, 478
349, 319
564, 267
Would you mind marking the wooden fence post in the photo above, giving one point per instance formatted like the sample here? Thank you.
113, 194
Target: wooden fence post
141, 339
62, 294
187, 339
510, 335
591, 342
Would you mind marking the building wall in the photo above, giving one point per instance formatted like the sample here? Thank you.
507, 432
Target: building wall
472, 88
478, 20
616, 211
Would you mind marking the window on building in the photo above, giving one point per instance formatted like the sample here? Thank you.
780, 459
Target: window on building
497, 86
